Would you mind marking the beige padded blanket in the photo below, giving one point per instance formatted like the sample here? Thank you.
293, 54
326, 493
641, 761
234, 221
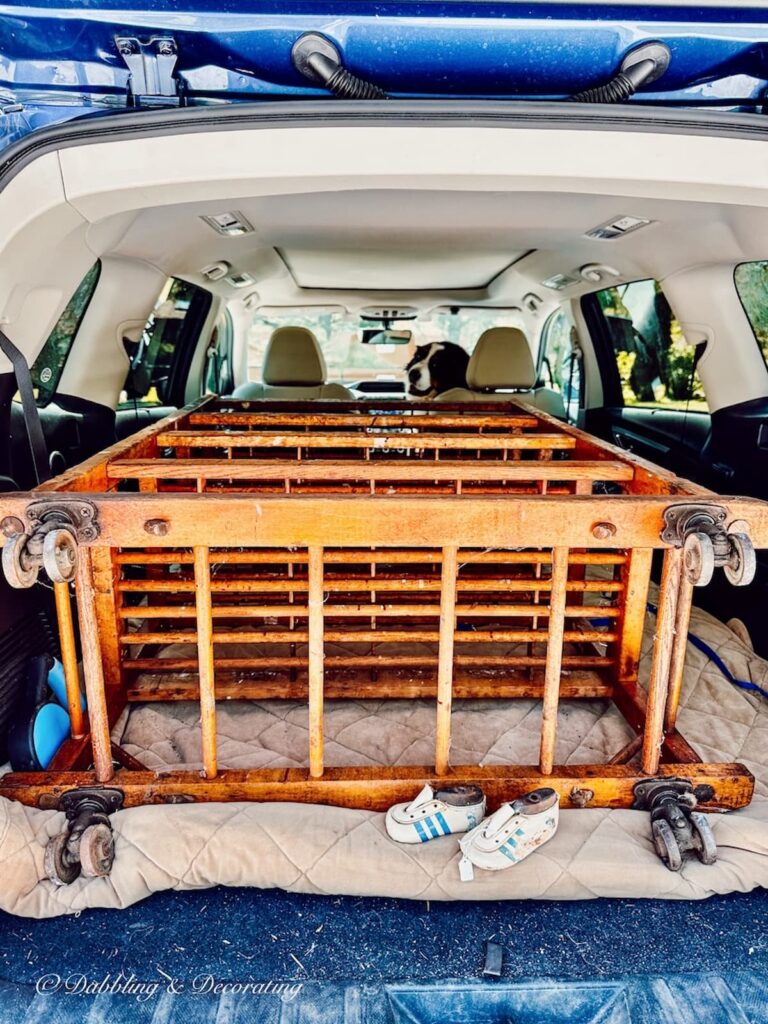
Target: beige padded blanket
327, 850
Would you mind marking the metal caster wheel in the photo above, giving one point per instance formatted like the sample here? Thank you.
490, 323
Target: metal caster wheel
60, 866
703, 838
60, 556
666, 844
741, 566
16, 566
698, 559
97, 851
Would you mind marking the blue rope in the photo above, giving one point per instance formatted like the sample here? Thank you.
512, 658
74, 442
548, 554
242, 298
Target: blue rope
717, 661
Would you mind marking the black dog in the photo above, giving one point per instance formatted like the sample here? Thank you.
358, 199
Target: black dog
436, 368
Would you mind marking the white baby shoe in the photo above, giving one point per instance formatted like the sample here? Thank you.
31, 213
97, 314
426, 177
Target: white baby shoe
511, 833
436, 813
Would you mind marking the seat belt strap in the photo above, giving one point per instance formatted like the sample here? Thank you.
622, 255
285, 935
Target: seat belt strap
29, 408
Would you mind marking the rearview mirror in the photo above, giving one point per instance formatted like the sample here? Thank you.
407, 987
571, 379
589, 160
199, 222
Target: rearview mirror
376, 337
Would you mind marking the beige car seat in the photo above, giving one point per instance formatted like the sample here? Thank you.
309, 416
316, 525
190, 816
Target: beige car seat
293, 368
502, 360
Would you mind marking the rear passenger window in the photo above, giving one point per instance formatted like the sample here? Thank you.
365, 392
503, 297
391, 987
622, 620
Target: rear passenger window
656, 365
559, 363
154, 374
752, 285
49, 365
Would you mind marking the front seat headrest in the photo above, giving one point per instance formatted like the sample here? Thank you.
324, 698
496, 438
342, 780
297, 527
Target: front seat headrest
293, 359
502, 359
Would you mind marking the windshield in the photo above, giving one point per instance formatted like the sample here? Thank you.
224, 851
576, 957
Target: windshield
348, 359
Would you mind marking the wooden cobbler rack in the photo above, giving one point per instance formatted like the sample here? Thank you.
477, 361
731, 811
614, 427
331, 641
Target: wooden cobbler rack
317, 551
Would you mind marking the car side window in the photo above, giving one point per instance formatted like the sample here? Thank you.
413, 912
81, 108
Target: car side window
49, 365
559, 363
154, 357
655, 362
751, 281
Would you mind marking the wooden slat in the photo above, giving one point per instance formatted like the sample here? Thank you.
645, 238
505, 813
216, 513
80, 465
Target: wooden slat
375, 441
445, 659
542, 521
377, 788
69, 658
92, 666
506, 661
243, 611
417, 556
205, 661
335, 635
662, 652
316, 653
361, 419
389, 469
637, 576
555, 637
389, 685
341, 585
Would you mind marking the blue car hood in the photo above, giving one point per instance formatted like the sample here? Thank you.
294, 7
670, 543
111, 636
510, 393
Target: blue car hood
62, 60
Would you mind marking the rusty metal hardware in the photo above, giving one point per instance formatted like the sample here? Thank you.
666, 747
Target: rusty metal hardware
86, 846
54, 529
699, 528
676, 826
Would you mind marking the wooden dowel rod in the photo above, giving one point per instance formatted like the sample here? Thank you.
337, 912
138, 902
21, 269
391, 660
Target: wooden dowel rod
445, 659
93, 671
352, 420
658, 684
555, 637
679, 650
315, 655
69, 658
205, 661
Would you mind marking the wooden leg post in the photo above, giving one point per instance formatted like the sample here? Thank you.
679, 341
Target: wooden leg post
679, 648
662, 653
92, 668
445, 659
316, 656
205, 660
69, 659
554, 659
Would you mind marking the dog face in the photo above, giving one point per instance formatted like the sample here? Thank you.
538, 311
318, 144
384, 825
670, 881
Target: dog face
436, 368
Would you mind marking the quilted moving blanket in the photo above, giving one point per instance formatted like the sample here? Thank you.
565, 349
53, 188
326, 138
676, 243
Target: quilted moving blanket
316, 849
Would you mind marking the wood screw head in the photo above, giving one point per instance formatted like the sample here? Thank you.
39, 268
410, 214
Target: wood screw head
602, 531
157, 527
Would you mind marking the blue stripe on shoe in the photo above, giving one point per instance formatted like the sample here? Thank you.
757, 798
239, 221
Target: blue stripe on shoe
508, 853
443, 823
420, 831
432, 827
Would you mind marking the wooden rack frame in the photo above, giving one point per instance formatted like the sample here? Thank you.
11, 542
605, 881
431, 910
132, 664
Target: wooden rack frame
327, 550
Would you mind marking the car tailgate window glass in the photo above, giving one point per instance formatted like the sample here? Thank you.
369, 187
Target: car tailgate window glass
655, 362
153, 357
49, 365
752, 285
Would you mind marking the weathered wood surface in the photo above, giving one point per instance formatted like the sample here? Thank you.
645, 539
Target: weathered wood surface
378, 788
